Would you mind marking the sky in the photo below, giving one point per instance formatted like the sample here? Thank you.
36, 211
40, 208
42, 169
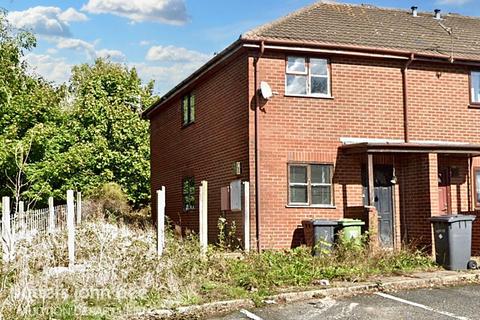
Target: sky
165, 40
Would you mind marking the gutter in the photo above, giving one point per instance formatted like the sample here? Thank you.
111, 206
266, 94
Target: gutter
405, 97
257, 149
396, 52
326, 51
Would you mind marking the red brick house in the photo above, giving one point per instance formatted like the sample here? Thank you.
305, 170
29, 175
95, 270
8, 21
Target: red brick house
371, 106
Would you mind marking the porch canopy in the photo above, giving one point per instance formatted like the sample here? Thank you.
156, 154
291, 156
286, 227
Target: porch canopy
472, 150
356, 146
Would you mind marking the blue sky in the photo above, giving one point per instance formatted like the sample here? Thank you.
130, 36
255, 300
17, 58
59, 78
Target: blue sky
165, 40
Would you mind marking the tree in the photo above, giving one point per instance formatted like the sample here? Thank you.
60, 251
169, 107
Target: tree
104, 138
76, 136
25, 102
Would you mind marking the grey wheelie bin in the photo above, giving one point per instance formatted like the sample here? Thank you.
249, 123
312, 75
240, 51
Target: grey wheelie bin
453, 241
319, 234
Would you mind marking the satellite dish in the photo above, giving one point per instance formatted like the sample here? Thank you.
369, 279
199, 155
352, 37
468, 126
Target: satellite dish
266, 90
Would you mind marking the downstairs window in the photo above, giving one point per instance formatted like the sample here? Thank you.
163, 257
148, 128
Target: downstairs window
310, 184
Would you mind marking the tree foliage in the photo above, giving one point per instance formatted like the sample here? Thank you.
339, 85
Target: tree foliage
77, 136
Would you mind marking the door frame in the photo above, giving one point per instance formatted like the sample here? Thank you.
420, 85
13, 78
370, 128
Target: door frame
393, 202
448, 187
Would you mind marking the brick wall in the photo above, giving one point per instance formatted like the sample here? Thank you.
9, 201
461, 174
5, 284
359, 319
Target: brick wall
439, 104
476, 234
205, 150
476, 212
367, 102
416, 197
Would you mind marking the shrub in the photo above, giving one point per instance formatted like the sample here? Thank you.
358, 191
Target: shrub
108, 201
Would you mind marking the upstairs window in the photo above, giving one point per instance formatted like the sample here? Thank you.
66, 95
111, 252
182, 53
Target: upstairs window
307, 77
310, 185
188, 109
188, 193
475, 87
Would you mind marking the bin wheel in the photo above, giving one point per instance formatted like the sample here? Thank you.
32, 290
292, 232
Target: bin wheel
472, 265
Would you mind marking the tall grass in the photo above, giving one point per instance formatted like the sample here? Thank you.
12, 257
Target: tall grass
118, 272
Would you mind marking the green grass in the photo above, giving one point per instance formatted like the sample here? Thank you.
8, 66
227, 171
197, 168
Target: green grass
119, 259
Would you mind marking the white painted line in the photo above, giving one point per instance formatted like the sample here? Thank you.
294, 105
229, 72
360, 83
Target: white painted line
421, 306
250, 315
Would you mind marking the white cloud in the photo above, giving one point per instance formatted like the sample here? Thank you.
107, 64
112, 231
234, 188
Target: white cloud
166, 77
72, 15
175, 54
49, 21
53, 69
52, 51
162, 11
453, 2
144, 43
58, 69
113, 55
89, 49
77, 45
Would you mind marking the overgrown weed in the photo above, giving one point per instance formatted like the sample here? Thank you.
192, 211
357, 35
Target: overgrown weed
118, 272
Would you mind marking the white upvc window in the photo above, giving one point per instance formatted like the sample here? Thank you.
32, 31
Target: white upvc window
307, 77
310, 184
475, 87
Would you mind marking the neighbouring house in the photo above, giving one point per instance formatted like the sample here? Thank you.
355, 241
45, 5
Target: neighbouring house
369, 108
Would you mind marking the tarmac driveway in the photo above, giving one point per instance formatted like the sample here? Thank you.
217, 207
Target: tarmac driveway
461, 302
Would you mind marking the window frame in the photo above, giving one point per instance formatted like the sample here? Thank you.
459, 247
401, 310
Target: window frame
309, 185
290, 184
475, 196
473, 103
190, 107
308, 73
184, 194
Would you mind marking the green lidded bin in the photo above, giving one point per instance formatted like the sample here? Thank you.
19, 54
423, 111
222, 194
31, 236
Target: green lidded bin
352, 229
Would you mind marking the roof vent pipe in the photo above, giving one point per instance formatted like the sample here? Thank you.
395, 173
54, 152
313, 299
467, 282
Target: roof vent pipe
438, 16
415, 11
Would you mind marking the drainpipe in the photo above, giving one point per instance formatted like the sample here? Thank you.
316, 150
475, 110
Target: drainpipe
257, 147
405, 97
469, 182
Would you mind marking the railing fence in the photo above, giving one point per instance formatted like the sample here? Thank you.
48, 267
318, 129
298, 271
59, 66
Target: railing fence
21, 224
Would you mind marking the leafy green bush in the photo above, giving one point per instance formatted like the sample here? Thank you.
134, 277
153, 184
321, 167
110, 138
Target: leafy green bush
110, 200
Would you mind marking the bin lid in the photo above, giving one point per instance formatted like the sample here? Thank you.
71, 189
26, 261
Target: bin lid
324, 222
453, 218
350, 222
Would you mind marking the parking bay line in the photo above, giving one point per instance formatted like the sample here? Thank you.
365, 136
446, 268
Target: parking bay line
421, 306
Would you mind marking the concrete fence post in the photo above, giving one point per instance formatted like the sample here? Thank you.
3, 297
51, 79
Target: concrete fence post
51, 215
160, 221
246, 215
71, 228
79, 208
21, 218
203, 217
6, 230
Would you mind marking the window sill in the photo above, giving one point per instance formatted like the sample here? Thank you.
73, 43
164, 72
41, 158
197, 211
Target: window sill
310, 96
188, 125
311, 207
474, 106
